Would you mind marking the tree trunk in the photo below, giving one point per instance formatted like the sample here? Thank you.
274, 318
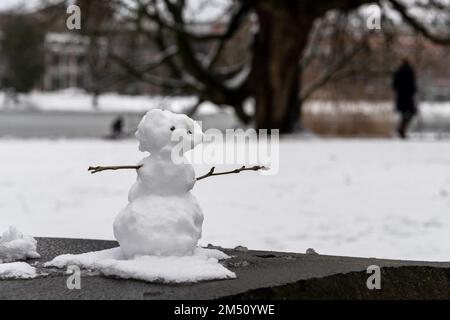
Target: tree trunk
283, 34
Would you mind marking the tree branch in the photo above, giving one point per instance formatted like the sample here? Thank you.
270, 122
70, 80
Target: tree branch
235, 22
191, 111
328, 74
147, 77
243, 168
189, 60
413, 22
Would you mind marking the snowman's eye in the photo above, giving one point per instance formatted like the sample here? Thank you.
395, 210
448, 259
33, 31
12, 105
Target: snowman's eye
172, 128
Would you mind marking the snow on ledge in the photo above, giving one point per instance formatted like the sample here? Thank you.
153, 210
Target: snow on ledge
17, 270
202, 265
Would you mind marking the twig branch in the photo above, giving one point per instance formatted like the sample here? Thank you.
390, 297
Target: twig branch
99, 168
209, 174
148, 77
179, 27
243, 168
331, 72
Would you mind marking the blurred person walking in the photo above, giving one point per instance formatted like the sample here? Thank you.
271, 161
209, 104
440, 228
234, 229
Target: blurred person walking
404, 85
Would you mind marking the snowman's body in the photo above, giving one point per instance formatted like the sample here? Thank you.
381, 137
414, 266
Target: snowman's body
162, 217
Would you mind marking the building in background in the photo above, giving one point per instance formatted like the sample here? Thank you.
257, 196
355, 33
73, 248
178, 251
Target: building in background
65, 61
68, 57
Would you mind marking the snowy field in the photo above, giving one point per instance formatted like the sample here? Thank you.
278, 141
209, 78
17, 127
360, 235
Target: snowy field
69, 114
372, 198
77, 100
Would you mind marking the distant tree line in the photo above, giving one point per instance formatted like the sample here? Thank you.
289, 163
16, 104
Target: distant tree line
259, 50
21, 54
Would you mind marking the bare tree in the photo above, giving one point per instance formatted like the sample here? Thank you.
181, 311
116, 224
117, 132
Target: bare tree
270, 71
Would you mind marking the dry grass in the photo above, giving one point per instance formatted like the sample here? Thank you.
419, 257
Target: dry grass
349, 119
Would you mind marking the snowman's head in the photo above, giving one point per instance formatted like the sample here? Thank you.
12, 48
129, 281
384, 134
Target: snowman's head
161, 130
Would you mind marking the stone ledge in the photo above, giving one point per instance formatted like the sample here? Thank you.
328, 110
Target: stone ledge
261, 275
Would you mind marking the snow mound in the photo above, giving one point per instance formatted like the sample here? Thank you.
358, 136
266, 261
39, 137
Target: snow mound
202, 265
17, 270
15, 246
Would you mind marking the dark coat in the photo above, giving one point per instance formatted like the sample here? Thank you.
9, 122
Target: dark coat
404, 85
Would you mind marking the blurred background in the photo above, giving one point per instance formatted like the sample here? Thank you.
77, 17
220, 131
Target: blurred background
77, 76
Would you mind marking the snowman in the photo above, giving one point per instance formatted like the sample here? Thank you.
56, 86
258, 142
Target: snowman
158, 231
162, 217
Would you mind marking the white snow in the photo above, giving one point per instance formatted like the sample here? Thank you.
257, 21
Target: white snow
74, 99
17, 270
77, 100
15, 246
355, 197
201, 265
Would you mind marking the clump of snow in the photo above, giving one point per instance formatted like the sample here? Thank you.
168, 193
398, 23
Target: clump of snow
202, 265
162, 218
17, 270
15, 246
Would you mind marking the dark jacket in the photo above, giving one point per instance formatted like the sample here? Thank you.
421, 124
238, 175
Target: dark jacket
404, 85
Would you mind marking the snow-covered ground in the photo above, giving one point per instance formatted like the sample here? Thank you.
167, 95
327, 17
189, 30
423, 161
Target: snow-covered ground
373, 198
73, 99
